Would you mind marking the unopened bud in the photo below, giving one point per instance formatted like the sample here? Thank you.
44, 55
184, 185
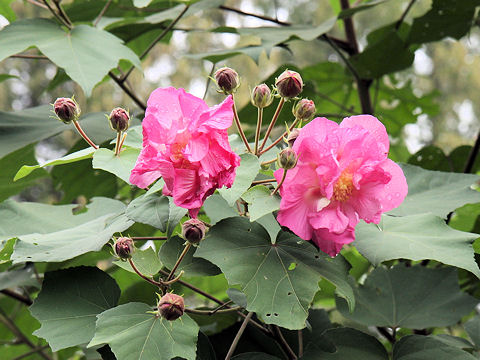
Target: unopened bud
227, 80
304, 110
124, 248
287, 158
193, 231
261, 96
293, 136
171, 306
66, 109
119, 119
289, 84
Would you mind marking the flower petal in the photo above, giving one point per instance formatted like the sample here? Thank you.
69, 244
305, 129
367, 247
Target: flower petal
372, 124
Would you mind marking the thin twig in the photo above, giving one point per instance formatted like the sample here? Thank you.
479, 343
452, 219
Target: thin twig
117, 143
23, 299
268, 162
156, 40
266, 181
280, 183
141, 238
83, 135
26, 56
174, 280
239, 126
62, 13
36, 3
280, 138
209, 80
300, 343
31, 352
259, 127
221, 306
238, 336
57, 16
472, 156
127, 91
399, 22
211, 312
151, 281
272, 123
100, 15
179, 260
281, 340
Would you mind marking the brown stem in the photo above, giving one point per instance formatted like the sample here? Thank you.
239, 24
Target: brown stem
156, 40
179, 260
18, 333
280, 138
221, 306
57, 16
209, 80
127, 91
117, 144
141, 238
151, 281
239, 126
266, 181
268, 162
174, 280
122, 141
280, 183
238, 336
95, 23
31, 352
300, 343
272, 123
259, 127
26, 56
399, 22
61, 12
36, 3
23, 299
212, 312
283, 343
83, 135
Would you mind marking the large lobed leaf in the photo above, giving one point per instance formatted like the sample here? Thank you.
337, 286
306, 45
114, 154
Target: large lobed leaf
133, 334
278, 279
86, 53
69, 302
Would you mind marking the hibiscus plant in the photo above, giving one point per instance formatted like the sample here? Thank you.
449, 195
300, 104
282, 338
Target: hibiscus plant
209, 231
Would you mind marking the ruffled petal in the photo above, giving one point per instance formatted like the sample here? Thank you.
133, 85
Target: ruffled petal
331, 243
372, 125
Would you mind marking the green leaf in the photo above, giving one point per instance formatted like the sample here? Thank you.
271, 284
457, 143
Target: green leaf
217, 209
16, 278
472, 327
246, 256
173, 12
156, 210
120, 165
237, 297
445, 18
193, 266
436, 192
25, 170
6, 251
260, 202
415, 347
146, 261
9, 165
52, 233
133, 333
141, 3
431, 158
346, 343
86, 53
385, 299
6, 10
416, 237
4, 77
245, 174
69, 302
358, 8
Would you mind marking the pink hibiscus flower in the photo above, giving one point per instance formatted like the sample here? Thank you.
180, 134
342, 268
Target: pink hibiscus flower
342, 175
186, 143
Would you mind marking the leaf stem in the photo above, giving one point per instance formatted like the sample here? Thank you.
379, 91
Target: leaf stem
280, 137
118, 143
209, 81
272, 123
238, 336
127, 91
268, 162
399, 22
179, 260
259, 127
174, 280
239, 126
141, 238
102, 12
280, 183
144, 277
57, 16
300, 343
62, 13
266, 181
212, 312
31, 352
279, 337
83, 135
23, 299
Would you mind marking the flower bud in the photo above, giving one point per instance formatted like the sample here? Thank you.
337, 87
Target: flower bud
293, 136
66, 109
119, 119
193, 231
287, 158
289, 84
304, 110
227, 80
171, 306
261, 96
124, 248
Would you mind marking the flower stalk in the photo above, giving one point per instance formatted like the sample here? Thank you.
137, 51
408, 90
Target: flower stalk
179, 260
239, 126
83, 135
272, 123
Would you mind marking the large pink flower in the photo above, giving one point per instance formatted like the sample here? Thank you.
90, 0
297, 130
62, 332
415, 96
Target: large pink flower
186, 143
342, 175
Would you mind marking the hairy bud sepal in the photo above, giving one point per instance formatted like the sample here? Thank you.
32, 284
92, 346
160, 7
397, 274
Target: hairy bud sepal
261, 96
227, 80
193, 231
289, 84
287, 159
119, 119
66, 109
171, 306
124, 248
304, 110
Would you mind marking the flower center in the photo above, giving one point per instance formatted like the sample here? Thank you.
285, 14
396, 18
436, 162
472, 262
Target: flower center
343, 187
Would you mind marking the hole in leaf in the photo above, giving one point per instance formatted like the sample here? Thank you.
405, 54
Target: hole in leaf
268, 314
289, 293
316, 256
275, 314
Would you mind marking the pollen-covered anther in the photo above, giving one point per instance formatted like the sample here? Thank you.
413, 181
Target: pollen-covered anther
343, 188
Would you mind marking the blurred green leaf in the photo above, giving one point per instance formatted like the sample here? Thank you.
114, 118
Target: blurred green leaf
431, 158
6, 10
416, 237
132, 333
358, 8
385, 299
86, 53
69, 302
18, 278
276, 290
